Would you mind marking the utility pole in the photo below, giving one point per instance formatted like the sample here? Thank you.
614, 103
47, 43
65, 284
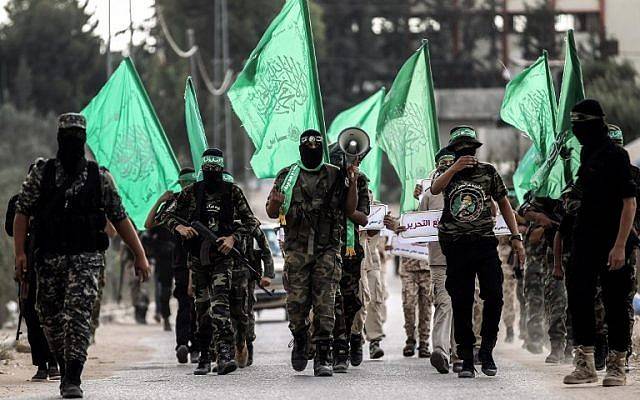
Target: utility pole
217, 50
191, 41
109, 68
130, 31
228, 139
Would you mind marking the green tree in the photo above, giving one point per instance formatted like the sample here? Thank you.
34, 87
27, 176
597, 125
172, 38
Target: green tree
540, 31
615, 86
56, 40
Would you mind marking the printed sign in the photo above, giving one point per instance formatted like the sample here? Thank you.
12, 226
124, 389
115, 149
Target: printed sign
426, 184
376, 217
409, 250
422, 226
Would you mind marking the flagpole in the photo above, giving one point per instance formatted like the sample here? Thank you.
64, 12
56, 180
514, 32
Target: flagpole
109, 67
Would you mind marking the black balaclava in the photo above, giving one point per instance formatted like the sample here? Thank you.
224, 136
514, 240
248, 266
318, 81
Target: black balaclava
588, 124
71, 148
465, 151
212, 177
311, 157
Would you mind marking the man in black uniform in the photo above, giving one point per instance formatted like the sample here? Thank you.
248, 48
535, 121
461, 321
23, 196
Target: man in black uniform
600, 246
40, 354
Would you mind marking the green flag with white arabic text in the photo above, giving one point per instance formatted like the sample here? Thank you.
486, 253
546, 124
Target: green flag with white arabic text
364, 116
277, 94
195, 127
408, 124
125, 136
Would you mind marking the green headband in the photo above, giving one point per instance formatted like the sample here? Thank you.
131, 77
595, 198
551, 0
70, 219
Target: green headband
187, 177
463, 132
616, 135
217, 160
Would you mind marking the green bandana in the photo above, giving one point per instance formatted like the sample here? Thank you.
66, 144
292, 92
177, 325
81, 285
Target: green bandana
288, 184
219, 161
350, 251
463, 132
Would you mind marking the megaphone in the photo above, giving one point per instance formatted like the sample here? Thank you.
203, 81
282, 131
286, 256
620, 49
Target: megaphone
354, 142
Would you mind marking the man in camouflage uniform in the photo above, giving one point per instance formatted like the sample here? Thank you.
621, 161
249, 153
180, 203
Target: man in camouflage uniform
416, 293
546, 294
216, 203
186, 343
70, 199
310, 199
508, 288
347, 296
259, 255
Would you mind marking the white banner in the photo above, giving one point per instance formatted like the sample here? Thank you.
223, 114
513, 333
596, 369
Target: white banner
422, 226
376, 217
409, 250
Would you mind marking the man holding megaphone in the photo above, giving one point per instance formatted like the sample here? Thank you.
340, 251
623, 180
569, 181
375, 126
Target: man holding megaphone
352, 146
312, 199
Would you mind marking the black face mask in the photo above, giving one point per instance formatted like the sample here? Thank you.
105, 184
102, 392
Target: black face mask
311, 157
212, 180
467, 151
70, 152
590, 133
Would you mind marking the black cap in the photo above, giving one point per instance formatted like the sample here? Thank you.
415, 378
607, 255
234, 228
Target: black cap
587, 109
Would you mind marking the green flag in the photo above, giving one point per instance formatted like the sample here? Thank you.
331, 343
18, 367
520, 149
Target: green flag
561, 165
277, 94
125, 136
522, 177
365, 117
571, 93
408, 124
195, 128
529, 105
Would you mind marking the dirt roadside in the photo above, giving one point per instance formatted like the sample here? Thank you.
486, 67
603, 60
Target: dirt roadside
117, 346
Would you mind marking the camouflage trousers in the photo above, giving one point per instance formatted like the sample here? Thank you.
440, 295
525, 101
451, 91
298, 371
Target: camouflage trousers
239, 306
534, 290
67, 292
212, 290
348, 301
555, 303
251, 301
95, 312
509, 287
311, 281
416, 294
477, 314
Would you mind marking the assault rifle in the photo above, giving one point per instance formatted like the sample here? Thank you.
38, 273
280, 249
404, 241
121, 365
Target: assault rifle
23, 292
210, 238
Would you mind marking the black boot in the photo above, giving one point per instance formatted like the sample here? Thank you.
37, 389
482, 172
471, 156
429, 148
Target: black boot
409, 349
249, 353
322, 363
299, 354
53, 371
488, 366
355, 350
41, 374
182, 354
70, 387
601, 352
204, 364
341, 356
375, 351
226, 358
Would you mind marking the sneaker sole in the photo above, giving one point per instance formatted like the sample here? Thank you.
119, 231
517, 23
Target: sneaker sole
489, 372
340, 370
408, 354
377, 355
466, 375
182, 354
440, 362
200, 373
591, 380
323, 373
606, 383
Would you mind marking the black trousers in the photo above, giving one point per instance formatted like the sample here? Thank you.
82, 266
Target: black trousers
466, 260
40, 354
589, 259
186, 321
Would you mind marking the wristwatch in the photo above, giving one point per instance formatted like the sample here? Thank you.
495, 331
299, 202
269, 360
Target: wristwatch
515, 236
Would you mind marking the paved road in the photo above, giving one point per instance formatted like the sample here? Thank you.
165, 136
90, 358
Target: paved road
521, 376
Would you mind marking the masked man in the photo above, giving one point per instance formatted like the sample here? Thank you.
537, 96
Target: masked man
215, 202
312, 200
70, 200
600, 246
470, 246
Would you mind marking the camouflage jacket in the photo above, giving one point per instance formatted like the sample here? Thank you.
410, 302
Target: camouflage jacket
264, 252
29, 196
364, 206
184, 206
316, 217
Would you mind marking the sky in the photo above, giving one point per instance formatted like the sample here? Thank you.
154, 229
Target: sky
140, 10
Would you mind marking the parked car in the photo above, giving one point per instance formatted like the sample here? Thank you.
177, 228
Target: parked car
279, 298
